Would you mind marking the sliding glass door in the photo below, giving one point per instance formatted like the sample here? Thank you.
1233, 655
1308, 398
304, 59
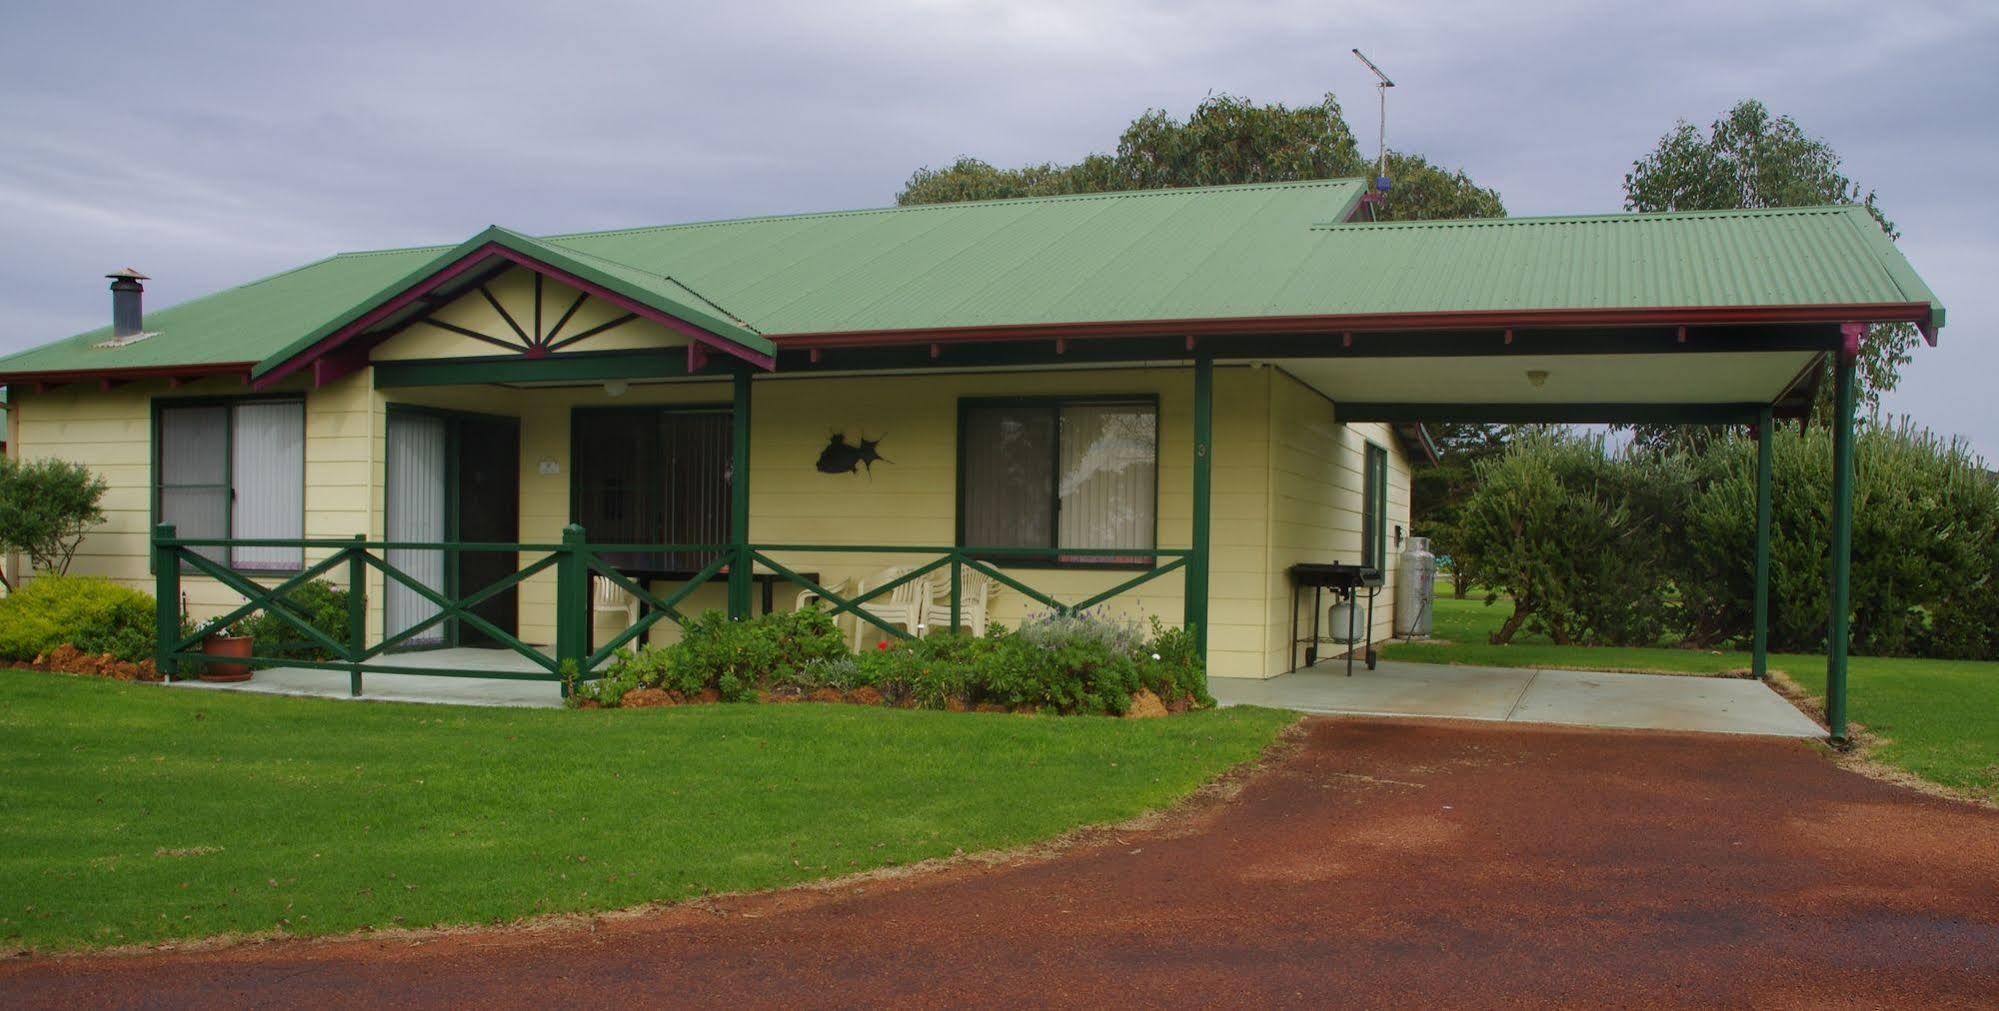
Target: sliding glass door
451, 478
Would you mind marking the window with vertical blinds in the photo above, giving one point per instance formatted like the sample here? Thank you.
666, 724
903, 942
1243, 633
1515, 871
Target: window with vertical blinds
1078, 475
233, 470
652, 475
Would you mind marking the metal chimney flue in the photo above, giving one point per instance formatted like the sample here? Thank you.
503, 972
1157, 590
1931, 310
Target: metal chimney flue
128, 318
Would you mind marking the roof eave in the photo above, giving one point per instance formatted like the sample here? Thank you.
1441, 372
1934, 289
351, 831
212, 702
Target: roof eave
1878, 312
64, 377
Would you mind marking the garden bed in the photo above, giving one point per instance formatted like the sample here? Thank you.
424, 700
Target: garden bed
1067, 664
67, 659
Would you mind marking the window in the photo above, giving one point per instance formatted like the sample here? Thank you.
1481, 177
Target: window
236, 471
1374, 509
652, 475
1060, 474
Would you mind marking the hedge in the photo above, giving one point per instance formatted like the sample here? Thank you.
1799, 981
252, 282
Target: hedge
1630, 548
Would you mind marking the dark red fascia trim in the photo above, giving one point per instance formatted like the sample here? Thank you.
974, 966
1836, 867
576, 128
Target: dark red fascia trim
326, 345
1872, 312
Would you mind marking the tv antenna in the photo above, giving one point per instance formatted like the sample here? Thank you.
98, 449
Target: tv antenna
1381, 88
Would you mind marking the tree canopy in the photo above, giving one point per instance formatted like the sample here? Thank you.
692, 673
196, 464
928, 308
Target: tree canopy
1750, 158
1225, 140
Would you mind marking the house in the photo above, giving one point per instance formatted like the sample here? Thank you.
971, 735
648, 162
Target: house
1154, 401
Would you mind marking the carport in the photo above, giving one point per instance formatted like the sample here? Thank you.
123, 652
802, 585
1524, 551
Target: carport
1701, 318
1751, 367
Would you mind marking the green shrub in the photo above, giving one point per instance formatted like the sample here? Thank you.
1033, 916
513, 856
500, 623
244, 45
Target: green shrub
1175, 669
95, 615
1618, 548
321, 604
1570, 534
738, 657
735, 658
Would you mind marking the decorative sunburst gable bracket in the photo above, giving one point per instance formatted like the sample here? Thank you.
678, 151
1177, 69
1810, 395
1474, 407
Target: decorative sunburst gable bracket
342, 345
521, 311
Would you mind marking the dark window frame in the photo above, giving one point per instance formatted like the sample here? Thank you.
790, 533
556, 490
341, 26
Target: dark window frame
156, 489
1374, 506
1055, 403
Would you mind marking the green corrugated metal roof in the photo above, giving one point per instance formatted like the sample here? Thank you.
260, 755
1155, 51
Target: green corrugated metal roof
1149, 254
1779, 256
1202, 253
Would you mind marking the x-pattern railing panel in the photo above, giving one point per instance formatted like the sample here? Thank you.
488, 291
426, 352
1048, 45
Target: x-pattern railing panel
576, 562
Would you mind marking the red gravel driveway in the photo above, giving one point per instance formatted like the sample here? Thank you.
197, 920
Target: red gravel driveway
1381, 863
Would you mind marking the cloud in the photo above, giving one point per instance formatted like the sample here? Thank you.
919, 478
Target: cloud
211, 143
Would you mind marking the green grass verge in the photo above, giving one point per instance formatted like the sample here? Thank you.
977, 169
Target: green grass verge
1938, 719
138, 813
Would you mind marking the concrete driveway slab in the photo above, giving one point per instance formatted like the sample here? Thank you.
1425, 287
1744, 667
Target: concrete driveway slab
1525, 695
1661, 702
1393, 689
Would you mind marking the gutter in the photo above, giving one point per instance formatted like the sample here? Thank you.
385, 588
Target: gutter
1919, 313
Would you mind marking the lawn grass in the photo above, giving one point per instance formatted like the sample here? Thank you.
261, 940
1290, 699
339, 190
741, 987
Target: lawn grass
140, 813
1938, 719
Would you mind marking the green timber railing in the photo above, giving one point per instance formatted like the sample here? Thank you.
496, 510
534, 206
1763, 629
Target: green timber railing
576, 561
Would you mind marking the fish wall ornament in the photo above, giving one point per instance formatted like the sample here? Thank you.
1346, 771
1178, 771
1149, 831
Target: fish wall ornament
841, 457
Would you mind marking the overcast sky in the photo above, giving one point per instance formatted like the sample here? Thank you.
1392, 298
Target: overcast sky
208, 144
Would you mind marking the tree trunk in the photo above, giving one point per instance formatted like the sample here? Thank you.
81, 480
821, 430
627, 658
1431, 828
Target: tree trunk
1513, 622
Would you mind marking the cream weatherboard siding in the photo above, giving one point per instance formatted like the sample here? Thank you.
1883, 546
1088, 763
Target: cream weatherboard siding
1315, 473
111, 432
1276, 499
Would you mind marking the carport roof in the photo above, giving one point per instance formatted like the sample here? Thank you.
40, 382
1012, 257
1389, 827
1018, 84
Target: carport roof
1228, 259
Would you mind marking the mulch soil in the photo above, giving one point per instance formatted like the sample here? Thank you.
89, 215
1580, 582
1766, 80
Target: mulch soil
67, 659
1377, 863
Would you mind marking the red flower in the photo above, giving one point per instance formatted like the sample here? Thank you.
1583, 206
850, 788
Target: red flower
882, 644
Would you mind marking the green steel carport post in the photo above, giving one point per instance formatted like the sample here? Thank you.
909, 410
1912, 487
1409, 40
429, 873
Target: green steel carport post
572, 603
1761, 650
166, 603
1197, 565
739, 500
1845, 393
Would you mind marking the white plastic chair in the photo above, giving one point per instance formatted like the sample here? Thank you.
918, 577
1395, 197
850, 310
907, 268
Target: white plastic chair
977, 591
807, 598
610, 597
904, 605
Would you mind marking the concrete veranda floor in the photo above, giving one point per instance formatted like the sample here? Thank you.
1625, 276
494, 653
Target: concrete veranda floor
444, 689
1528, 695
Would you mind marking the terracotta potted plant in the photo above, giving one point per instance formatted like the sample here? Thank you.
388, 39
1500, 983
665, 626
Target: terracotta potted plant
232, 640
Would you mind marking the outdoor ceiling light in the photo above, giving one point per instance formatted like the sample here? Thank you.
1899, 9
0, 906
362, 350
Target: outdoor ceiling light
617, 387
1538, 377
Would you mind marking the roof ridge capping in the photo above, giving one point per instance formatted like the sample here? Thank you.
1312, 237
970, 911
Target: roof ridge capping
1616, 217
1160, 191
